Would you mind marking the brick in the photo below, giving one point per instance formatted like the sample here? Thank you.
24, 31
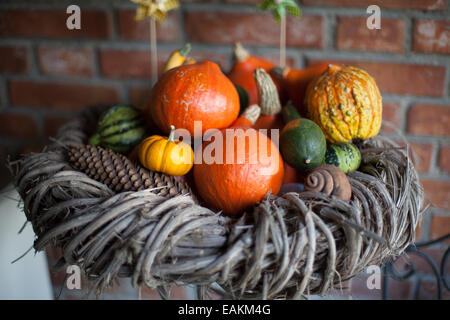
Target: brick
392, 114
399, 290
431, 36
58, 61
391, 4
401, 78
53, 123
52, 24
18, 126
358, 289
429, 120
252, 29
421, 156
177, 293
444, 158
129, 64
136, 63
353, 34
219, 58
428, 291
437, 191
440, 225
13, 59
60, 95
130, 29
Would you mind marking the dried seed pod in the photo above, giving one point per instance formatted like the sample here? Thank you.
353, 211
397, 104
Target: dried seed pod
330, 180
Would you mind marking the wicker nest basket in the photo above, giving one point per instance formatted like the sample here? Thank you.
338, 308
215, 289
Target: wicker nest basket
287, 247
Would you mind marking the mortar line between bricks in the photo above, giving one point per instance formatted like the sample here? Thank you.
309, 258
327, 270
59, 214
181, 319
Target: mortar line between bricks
408, 37
447, 81
4, 94
317, 53
33, 68
96, 74
404, 107
435, 176
440, 212
426, 223
434, 159
114, 24
329, 31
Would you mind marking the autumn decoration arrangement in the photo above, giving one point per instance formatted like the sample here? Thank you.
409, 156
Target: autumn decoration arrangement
313, 148
267, 181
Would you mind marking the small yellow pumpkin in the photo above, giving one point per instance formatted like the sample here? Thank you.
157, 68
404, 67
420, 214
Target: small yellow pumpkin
166, 155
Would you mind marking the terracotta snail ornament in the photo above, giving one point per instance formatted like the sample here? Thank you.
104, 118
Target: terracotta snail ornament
330, 180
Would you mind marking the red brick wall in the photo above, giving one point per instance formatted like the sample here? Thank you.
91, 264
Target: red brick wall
48, 73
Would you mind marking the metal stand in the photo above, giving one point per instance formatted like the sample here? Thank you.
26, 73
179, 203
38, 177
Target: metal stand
389, 270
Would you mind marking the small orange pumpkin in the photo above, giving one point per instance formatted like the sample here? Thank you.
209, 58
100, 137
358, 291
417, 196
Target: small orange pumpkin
241, 73
295, 82
166, 155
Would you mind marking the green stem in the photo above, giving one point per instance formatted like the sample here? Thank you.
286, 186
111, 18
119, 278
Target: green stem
172, 134
289, 113
185, 50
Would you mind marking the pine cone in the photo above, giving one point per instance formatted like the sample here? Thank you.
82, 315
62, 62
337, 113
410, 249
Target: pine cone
121, 174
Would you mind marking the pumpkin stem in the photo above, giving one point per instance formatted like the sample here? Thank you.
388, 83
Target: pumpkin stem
268, 98
172, 134
252, 113
185, 50
333, 68
280, 73
240, 54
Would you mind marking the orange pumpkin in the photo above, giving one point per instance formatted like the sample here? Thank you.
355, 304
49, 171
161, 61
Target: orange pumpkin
295, 82
241, 73
346, 103
195, 92
236, 186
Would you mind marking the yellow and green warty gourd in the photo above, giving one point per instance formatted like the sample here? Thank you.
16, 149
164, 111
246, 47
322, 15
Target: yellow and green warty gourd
346, 103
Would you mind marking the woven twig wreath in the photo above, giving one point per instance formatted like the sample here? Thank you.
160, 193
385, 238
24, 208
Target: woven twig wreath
287, 247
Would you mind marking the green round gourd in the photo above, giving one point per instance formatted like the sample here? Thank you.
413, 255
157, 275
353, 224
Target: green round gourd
244, 100
303, 144
120, 128
346, 156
